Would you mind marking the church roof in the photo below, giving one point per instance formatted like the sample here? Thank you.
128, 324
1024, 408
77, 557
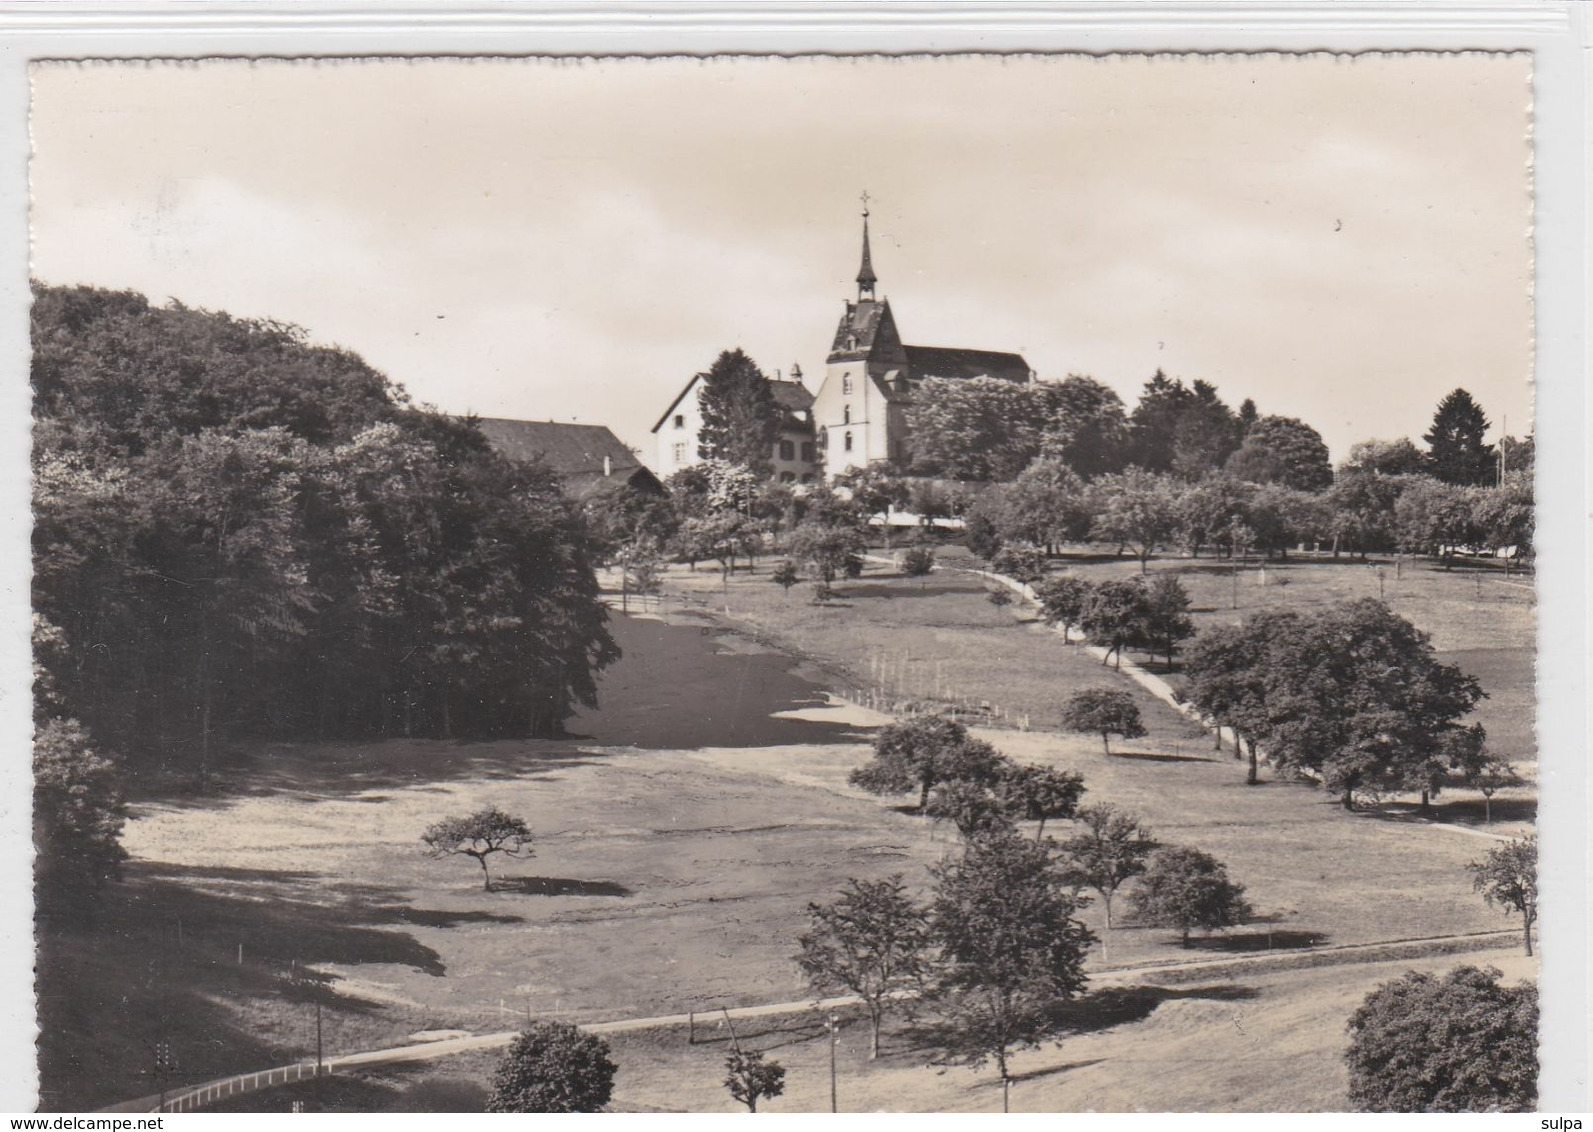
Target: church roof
791, 396
575, 452
946, 361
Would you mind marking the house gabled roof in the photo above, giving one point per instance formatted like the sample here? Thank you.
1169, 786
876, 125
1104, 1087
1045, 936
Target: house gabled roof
679, 397
575, 452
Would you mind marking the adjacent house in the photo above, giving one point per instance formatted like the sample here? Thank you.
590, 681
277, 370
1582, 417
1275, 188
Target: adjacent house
589, 459
796, 457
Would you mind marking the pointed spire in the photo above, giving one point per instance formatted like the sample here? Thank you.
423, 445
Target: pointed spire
865, 275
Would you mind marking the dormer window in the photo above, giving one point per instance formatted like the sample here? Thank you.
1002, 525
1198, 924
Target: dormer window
851, 341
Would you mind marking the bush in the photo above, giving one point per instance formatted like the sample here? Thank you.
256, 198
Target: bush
918, 561
553, 1067
1456, 1043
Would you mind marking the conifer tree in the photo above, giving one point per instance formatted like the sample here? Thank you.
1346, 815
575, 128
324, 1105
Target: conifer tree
740, 420
1456, 449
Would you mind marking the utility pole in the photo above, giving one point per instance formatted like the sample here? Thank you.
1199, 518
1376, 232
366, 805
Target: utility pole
835, 1026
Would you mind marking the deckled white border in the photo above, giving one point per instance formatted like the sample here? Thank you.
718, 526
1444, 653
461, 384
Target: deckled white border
1562, 102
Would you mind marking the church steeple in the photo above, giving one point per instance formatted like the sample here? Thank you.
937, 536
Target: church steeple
865, 275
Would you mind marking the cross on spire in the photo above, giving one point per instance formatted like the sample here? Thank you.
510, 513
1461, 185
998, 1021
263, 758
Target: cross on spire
865, 275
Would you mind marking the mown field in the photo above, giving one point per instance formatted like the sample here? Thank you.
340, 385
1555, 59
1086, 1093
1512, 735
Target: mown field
680, 835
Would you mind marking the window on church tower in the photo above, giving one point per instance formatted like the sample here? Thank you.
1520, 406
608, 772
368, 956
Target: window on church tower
846, 383
846, 414
680, 421
846, 442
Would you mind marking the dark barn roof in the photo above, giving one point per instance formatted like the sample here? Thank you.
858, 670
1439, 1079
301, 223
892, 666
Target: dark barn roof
574, 451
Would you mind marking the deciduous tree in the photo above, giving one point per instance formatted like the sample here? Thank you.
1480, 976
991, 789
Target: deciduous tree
1104, 712
1063, 599
1011, 947
751, 1079
479, 836
1185, 888
1285, 451
1508, 877
920, 752
1110, 850
1040, 794
873, 941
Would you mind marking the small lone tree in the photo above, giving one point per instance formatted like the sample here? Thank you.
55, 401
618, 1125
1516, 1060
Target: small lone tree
1114, 616
873, 941
1495, 774
922, 751
786, 575
1040, 793
553, 1067
1185, 888
918, 562
479, 835
1011, 948
1104, 712
750, 1078
1508, 877
1459, 1042
1111, 851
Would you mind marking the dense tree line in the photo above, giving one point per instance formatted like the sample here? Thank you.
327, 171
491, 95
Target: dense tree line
240, 533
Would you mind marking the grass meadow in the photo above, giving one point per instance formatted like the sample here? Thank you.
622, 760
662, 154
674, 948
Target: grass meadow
681, 831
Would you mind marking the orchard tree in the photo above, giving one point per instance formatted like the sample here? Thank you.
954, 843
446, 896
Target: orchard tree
1165, 618
1226, 677
973, 807
1456, 451
1492, 775
1040, 794
1063, 599
1104, 712
1206, 509
1185, 888
1047, 505
1435, 518
922, 751
740, 418
479, 836
553, 1067
1114, 616
1508, 877
873, 942
751, 1079
1110, 850
1011, 948
829, 548
1504, 518
1137, 509
1459, 1042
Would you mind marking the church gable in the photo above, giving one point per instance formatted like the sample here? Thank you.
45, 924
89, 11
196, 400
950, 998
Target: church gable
867, 333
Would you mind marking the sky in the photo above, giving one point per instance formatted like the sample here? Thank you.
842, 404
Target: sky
1342, 239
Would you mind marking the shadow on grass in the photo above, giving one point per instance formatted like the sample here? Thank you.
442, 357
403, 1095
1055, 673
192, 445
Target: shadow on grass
156, 958
903, 588
1158, 757
558, 886
1460, 812
1095, 1011
1048, 1071
1279, 940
